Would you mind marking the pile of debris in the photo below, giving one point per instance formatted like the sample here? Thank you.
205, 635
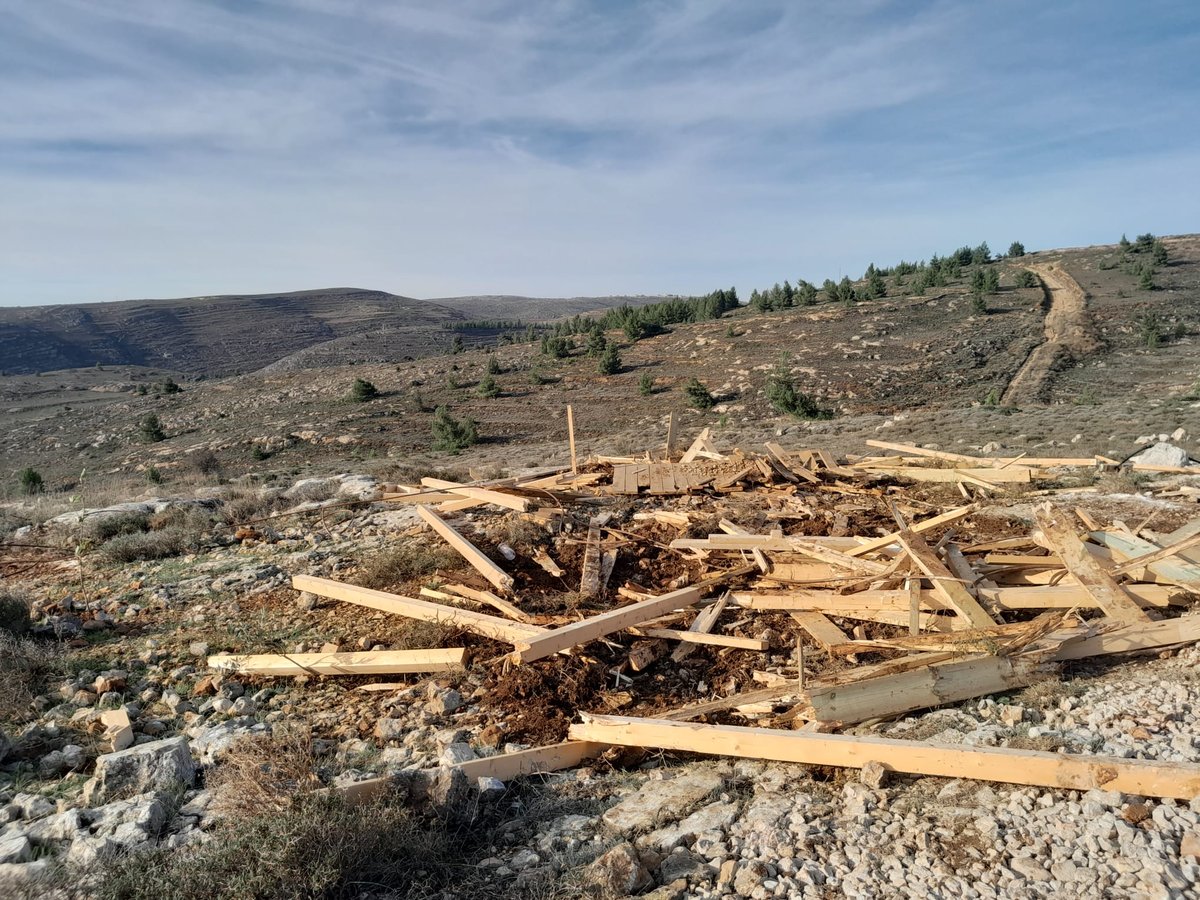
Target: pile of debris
812, 595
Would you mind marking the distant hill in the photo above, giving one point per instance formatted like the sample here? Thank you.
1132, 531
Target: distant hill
225, 335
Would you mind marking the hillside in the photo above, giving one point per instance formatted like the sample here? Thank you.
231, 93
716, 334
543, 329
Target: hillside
227, 335
1028, 372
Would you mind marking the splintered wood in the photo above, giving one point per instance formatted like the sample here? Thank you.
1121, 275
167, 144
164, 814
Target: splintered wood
842, 585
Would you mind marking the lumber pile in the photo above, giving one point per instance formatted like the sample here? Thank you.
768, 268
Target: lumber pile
793, 593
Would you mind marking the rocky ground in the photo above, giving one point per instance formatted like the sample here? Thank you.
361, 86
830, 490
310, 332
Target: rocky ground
133, 637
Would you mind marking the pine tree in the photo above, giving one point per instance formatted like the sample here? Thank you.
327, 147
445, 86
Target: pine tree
361, 391
610, 361
698, 395
645, 385
597, 343
488, 387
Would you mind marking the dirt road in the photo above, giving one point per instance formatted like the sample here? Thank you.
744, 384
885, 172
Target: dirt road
1069, 335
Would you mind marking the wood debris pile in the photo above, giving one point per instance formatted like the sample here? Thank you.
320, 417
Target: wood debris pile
756, 603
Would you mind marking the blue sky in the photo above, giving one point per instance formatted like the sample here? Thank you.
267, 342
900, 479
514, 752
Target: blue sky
156, 148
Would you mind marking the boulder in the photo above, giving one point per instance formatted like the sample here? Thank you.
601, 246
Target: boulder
1162, 454
661, 800
15, 847
713, 817
154, 766
619, 872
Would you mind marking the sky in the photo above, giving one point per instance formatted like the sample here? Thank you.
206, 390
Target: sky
163, 148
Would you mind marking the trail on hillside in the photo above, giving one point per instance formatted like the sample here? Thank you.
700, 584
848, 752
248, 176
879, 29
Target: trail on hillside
1068, 331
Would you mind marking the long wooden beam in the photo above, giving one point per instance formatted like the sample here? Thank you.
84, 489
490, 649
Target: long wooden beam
1016, 475
377, 662
945, 585
508, 501
468, 619
472, 554
1145, 778
699, 637
506, 766
1157, 556
1134, 637
1104, 589
605, 624
1182, 572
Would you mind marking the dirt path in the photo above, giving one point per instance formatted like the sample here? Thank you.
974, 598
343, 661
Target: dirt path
1068, 332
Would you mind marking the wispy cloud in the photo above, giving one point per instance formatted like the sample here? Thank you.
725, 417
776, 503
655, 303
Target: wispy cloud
159, 147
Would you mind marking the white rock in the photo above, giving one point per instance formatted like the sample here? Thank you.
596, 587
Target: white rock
155, 766
1162, 454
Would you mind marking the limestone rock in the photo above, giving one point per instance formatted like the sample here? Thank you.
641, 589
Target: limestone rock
657, 800
619, 872
15, 848
713, 817
874, 774
154, 766
1162, 454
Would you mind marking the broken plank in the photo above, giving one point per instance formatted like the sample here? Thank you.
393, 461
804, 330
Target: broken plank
513, 612
945, 585
370, 662
567, 636
1133, 637
469, 620
589, 580
507, 766
697, 637
1088, 571
702, 624
1145, 778
697, 446
472, 554
818, 626
1156, 556
1172, 571
508, 501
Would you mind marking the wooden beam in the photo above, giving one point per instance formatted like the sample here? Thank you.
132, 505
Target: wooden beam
699, 637
702, 624
820, 629
605, 624
1157, 556
980, 477
1133, 637
472, 554
468, 619
1103, 588
589, 581
1143, 778
670, 449
508, 501
945, 585
507, 766
1181, 572
697, 446
918, 528
377, 662
508, 609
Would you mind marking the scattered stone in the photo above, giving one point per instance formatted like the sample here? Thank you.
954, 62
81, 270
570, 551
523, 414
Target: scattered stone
667, 800
874, 774
15, 848
158, 765
1190, 844
619, 872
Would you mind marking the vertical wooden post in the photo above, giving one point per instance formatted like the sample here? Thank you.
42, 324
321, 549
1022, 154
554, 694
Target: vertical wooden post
571, 438
671, 436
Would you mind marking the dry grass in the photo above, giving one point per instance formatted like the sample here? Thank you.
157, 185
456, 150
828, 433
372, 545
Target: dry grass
24, 666
263, 775
408, 562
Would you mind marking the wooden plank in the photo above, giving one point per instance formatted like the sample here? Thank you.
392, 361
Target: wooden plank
917, 528
1069, 596
1157, 556
697, 637
1133, 637
469, 620
371, 662
507, 766
605, 624
944, 583
589, 581
697, 445
513, 612
488, 569
1172, 571
819, 628
982, 477
1103, 588
789, 470
508, 501
1144, 778
702, 624
670, 449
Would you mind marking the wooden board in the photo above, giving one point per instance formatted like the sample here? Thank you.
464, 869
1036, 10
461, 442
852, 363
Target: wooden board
1133, 637
819, 628
507, 766
1015, 475
1103, 588
472, 554
944, 583
508, 501
371, 662
1144, 778
589, 580
921, 527
1182, 572
479, 623
594, 627
697, 637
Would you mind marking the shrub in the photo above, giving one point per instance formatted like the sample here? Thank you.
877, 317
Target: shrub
1146, 278
493, 365
456, 346
206, 462
1159, 254
105, 528
1026, 279
978, 305
362, 390
450, 433
784, 398
150, 429
146, 545
168, 386
698, 395
488, 387
610, 361
14, 613
24, 666
31, 481
556, 347
1016, 249
1124, 243
258, 453
645, 385
154, 475
1150, 329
